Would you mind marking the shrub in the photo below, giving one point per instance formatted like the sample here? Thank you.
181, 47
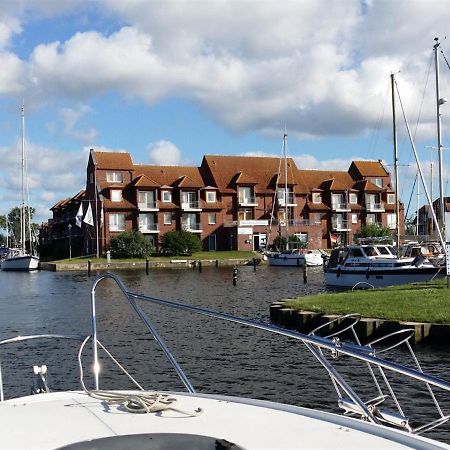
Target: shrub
131, 245
176, 243
373, 231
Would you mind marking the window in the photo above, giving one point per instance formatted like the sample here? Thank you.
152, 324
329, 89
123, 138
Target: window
166, 196
391, 199
146, 199
167, 218
114, 177
117, 222
147, 222
211, 196
392, 221
371, 219
245, 195
377, 182
116, 195
212, 218
245, 214
353, 198
354, 218
338, 201
316, 197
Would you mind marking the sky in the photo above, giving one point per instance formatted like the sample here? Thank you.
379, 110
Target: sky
172, 80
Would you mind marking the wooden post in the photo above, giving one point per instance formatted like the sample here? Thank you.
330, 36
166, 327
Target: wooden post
199, 266
235, 275
146, 266
305, 275
89, 267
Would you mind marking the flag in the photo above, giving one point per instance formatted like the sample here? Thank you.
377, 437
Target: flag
79, 216
88, 218
101, 216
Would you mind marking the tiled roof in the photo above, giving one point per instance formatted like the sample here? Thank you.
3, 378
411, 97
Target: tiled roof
369, 168
325, 180
244, 178
143, 181
261, 171
316, 206
123, 204
112, 160
172, 175
366, 185
187, 182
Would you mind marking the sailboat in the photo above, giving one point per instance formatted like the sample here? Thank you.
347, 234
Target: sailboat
19, 258
288, 257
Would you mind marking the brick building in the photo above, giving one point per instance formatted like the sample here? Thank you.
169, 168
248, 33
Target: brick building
233, 202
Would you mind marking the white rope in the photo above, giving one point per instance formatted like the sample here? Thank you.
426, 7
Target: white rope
143, 402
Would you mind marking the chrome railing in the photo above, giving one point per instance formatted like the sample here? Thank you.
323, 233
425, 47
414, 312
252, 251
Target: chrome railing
148, 227
190, 205
148, 205
326, 349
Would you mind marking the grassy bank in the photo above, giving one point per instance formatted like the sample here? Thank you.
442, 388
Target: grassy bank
195, 256
422, 302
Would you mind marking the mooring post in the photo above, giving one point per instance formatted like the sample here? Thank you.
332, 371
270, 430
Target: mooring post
254, 264
235, 275
199, 266
305, 275
89, 267
146, 266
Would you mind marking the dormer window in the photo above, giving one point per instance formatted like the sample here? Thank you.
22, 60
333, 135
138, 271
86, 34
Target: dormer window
116, 195
353, 198
378, 182
316, 197
166, 196
391, 199
114, 177
211, 197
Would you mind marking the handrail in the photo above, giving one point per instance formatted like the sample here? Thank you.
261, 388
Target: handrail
359, 352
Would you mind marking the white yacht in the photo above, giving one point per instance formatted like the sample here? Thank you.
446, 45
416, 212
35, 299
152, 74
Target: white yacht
117, 419
376, 265
289, 258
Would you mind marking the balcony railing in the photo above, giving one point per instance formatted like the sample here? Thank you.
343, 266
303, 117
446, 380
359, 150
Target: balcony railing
192, 227
247, 201
190, 206
340, 225
375, 207
291, 201
336, 206
148, 205
149, 228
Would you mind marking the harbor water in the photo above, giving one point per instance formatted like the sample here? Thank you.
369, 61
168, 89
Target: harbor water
217, 356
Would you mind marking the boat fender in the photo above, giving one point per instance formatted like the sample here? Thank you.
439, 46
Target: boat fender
338, 272
367, 273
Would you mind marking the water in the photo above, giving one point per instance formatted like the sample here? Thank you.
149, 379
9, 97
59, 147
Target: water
218, 357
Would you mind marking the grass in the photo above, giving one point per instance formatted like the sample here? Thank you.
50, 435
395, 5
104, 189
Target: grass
421, 302
194, 256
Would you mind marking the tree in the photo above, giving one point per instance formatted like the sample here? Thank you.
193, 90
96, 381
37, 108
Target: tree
131, 245
13, 218
180, 243
372, 230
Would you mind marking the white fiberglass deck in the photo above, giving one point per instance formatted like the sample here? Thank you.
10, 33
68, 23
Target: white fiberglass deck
48, 421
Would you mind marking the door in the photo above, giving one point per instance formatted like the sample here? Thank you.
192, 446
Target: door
212, 242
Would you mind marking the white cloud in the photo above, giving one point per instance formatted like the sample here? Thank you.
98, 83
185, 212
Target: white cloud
164, 153
71, 117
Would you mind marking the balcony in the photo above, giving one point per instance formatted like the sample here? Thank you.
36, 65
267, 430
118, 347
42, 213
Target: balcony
375, 207
149, 228
148, 206
342, 207
340, 225
190, 206
291, 201
192, 227
247, 201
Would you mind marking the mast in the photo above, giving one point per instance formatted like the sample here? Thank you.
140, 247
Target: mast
394, 133
439, 102
22, 206
286, 218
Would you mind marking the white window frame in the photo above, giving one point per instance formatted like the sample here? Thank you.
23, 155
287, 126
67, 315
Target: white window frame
391, 221
377, 182
211, 196
353, 198
116, 195
391, 199
245, 214
116, 222
212, 219
167, 199
354, 218
167, 216
316, 197
114, 177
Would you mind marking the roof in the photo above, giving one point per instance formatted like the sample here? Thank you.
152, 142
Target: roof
143, 181
182, 176
369, 168
368, 186
261, 171
112, 160
333, 180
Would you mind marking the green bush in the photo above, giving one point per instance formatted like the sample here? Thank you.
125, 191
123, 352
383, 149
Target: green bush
372, 231
131, 245
176, 243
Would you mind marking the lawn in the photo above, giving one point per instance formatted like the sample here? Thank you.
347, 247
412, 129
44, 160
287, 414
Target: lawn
422, 302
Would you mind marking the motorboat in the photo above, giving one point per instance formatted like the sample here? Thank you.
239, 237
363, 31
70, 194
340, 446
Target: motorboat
290, 258
95, 417
314, 257
432, 251
376, 265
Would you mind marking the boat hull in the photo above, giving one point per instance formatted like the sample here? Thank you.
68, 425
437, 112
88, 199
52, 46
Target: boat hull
289, 260
340, 277
21, 263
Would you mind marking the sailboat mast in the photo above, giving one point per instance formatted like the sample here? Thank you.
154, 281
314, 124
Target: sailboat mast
22, 206
394, 132
286, 218
439, 102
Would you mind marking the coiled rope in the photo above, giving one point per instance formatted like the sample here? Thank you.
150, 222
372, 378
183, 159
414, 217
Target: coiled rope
141, 403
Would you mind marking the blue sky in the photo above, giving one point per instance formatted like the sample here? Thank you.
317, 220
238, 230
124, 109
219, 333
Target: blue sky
172, 80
